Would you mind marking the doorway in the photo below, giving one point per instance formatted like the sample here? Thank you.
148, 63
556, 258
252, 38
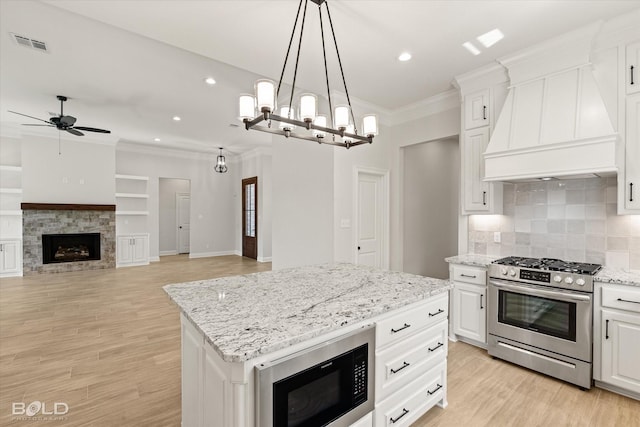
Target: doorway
250, 217
372, 217
174, 216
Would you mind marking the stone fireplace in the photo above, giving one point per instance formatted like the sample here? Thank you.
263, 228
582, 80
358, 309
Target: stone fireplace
67, 237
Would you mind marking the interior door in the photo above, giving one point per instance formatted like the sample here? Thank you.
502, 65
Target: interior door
183, 214
250, 217
370, 220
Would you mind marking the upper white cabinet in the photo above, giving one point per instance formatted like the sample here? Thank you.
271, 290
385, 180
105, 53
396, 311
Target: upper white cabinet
632, 79
631, 189
476, 109
477, 193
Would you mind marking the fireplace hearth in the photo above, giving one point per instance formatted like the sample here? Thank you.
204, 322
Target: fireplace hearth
70, 247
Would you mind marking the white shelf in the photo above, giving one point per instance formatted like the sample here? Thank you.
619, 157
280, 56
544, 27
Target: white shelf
8, 168
10, 213
132, 195
11, 190
132, 212
133, 177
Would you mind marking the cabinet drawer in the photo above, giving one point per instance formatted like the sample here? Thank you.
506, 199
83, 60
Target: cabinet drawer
467, 274
410, 321
621, 297
399, 364
410, 403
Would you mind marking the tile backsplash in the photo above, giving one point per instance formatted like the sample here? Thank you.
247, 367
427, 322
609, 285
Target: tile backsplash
575, 220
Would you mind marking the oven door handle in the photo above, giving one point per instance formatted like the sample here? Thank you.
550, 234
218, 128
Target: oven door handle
540, 292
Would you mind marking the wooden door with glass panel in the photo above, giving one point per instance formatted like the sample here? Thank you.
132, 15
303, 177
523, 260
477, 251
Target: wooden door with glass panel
250, 217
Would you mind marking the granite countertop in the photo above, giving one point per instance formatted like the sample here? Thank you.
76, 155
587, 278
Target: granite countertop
472, 259
243, 317
617, 276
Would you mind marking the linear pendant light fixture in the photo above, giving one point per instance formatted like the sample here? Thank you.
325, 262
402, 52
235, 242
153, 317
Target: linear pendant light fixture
259, 112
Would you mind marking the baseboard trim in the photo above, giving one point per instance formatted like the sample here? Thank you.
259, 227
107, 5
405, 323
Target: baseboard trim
154, 259
264, 259
167, 253
211, 254
618, 390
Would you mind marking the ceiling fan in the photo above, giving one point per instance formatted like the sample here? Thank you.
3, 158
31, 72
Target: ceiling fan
63, 122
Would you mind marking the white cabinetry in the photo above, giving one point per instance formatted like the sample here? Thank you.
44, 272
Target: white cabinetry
483, 93
617, 336
469, 303
631, 188
632, 71
10, 258
132, 249
411, 353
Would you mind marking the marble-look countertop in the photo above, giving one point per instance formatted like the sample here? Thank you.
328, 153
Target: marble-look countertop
243, 317
472, 259
617, 276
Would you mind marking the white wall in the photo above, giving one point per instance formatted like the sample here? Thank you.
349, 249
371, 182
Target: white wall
168, 233
431, 179
83, 172
302, 203
258, 163
213, 196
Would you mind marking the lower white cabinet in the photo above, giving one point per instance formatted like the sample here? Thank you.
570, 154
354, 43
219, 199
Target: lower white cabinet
10, 258
469, 303
618, 338
132, 250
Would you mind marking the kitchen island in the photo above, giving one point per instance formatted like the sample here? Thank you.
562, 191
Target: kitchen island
230, 325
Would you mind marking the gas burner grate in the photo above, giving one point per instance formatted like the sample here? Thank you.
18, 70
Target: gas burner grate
550, 264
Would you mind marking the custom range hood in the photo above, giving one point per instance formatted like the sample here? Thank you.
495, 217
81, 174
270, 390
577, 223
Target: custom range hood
554, 122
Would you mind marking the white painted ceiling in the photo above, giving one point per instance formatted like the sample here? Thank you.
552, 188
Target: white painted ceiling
130, 65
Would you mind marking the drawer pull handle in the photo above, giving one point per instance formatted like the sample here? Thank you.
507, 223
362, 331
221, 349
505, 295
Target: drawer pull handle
469, 276
436, 347
395, 420
626, 300
436, 313
406, 325
404, 365
434, 391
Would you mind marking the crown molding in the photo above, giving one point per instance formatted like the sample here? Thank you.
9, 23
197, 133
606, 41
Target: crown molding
134, 147
443, 101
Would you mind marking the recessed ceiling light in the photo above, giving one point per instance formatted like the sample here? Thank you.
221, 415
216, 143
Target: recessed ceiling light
490, 38
156, 139
210, 81
404, 56
176, 118
471, 48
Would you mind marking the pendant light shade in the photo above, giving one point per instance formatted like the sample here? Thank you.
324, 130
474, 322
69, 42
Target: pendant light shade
288, 113
266, 95
341, 117
221, 163
308, 107
321, 121
349, 129
370, 125
247, 107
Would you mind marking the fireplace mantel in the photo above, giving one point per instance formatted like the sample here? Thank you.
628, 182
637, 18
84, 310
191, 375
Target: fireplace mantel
66, 207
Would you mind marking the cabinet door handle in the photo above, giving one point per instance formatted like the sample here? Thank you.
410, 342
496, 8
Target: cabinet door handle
434, 391
631, 191
436, 313
404, 365
436, 347
484, 198
469, 276
481, 307
631, 68
396, 419
606, 328
484, 110
627, 300
406, 325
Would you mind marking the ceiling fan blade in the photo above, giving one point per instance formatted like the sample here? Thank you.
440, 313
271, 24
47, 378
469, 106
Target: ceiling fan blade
68, 120
74, 132
31, 124
92, 129
31, 117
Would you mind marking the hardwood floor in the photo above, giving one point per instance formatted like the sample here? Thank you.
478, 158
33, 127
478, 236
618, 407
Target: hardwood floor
107, 343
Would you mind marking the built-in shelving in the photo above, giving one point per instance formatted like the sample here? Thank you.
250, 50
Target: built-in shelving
132, 214
132, 196
132, 177
10, 190
11, 219
8, 168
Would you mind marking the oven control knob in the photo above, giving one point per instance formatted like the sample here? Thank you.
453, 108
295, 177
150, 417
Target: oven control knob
580, 282
557, 279
503, 270
512, 272
568, 280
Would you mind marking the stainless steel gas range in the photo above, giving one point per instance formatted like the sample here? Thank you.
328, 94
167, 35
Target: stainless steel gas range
540, 316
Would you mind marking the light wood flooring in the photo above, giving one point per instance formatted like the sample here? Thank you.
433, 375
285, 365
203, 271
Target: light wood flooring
107, 343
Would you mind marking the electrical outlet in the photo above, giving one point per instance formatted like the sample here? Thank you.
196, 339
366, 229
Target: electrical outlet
497, 237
